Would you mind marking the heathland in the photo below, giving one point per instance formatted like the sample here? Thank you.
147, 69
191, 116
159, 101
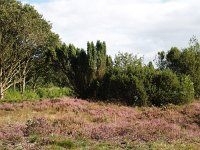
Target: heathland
69, 123
119, 103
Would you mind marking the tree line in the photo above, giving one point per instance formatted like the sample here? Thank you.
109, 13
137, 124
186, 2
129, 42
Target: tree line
33, 56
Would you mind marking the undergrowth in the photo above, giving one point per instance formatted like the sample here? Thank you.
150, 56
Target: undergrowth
41, 93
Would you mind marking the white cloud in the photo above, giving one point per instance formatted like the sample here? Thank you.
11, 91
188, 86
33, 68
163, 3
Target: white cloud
139, 26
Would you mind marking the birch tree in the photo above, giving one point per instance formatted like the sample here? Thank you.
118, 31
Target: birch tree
22, 31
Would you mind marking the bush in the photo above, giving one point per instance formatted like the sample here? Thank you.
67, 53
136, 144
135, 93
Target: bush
12, 95
143, 86
131, 82
166, 85
126, 89
136, 94
16, 96
53, 92
186, 90
169, 88
30, 95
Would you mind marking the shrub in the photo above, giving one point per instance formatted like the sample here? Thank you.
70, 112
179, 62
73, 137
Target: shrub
30, 95
169, 88
53, 92
16, 96
129, 90
12, 95
136, 93
186, 90
147, 86
166, 85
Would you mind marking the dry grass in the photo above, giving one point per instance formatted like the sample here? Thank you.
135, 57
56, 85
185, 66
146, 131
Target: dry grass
77, 124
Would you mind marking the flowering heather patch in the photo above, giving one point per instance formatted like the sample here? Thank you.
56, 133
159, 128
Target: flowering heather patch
12, 134
31, 125
7, 107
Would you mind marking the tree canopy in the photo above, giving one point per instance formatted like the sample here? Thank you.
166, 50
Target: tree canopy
22, 32
32, 55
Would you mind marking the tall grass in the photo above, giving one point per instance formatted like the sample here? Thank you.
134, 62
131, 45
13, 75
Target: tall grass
41, 93
54, 92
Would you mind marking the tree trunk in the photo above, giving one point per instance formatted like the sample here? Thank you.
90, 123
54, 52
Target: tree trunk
14, 85
1, 84
25, 71
34, 87
1, 91
24, 84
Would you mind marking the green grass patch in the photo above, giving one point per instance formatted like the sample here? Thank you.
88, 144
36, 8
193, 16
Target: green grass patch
54, 147
54, 92
41, 93
66, 144
158, 145
61, 142
34, 138
16, 96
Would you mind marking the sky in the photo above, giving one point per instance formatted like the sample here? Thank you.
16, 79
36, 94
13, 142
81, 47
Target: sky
141, 27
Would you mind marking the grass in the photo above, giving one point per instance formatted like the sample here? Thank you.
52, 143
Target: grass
65, 144
160, 145
34, 138
67, 123
53, 92
16, 96
41, 93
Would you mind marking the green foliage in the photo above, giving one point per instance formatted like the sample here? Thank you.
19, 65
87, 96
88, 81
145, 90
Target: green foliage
166, 85
16, 96
169, 88
13, 95
33, 56
126, 60
29, 95
161, 60
173, 57
54, 147
161, 145
41, 71
82, 70
134, 84
23, 32
185, 62
124, 81
33, 138
186, 90
66, 144
127, 89
53, 92
101, 59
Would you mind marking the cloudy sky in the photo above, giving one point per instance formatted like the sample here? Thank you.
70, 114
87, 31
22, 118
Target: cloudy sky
142, 27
